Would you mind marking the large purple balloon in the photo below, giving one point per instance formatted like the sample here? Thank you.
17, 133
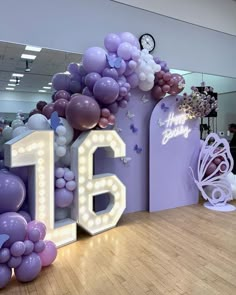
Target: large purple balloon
29, 268
37, 225
48, 110
94, 60
110, 72
86, 91
91, 79
73, 68
22, 172
60, 107
12, 192
61, 81
133, 80
5, 275
14, 225
130, 38
83, 112
61, 94
49, 254
106, 90
75, 86
112, 42
63, 197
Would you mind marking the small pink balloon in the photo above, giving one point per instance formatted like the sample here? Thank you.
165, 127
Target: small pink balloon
49, 254
112, 119
60, 106
103, 123
167, 76
160, 74
161, 82
210, 169
48, 110
105, 113
165, 88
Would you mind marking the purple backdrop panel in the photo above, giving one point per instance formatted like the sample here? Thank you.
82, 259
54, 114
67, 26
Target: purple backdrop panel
134, 174
174, 146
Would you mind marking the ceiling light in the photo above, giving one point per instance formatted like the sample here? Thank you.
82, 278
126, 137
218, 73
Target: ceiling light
50, 83
13, 80
33, 48
27, 68
42, 91
180, 72
28, 56
46, 87
17, 75
17, 82
12, 85
9, 88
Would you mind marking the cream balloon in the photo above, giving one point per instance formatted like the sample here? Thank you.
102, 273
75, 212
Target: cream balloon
7, 133
19, 130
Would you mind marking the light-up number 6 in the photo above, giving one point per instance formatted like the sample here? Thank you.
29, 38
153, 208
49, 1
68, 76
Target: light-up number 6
36, 149
90, 186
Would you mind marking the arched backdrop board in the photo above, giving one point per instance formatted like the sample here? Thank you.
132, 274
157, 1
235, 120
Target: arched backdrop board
171, 184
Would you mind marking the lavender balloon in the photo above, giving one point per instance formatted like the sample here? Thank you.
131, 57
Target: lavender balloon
75, 86
37, 225
49, 254
29, 247
110, 72
14, 262
12, 190
29, 268
112, 42
91, 79
94, 60
5, 255
106, 90
63, 197
26, 215
5, 275
17, 248
61, 81
73, 68
39, 246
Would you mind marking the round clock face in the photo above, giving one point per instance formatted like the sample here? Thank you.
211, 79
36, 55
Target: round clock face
147, 42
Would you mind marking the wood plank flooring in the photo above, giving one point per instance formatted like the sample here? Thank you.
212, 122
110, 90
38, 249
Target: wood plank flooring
183, 251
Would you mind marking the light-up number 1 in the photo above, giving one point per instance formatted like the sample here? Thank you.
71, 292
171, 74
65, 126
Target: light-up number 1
36, 149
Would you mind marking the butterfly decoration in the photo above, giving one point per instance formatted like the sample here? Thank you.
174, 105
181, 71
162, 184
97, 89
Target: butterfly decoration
55, 121
214, 186
117, 129
133, 128
3, 239
160, 123
114, 62
130, 115
145, 99
164, 107
126, 160
138, 149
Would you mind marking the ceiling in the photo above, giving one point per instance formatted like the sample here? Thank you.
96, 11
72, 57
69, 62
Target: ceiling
47, 63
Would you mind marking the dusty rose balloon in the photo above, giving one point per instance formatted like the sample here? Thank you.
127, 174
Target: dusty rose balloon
161, 82
49, 254
210, 169
157, 92
48, 110
60, 106
176, 87
167, 76
112, 119
83, 112
106, 113
103, 123
106, 90
61, 94
217, 161
160, 74
165, 88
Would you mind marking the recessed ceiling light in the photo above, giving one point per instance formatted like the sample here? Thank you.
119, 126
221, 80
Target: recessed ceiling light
46, 87
12, 85
50, 83
33, 48
42, 91
13, 80
28, 56
9, 88
181, 72
17, 75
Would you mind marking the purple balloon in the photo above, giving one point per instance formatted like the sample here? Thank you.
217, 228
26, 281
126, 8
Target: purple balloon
14, 262
83, 112
112, 42
29, 268
63, 197
94, 59
61, 94
48, 110
133, 80
123, 103
129, 37
75, 86
5, 255
157, 92
17, 248
73, 68
39, 246
60, 107
61, 213
29, 247
87, 92
5, 275
61, 81
34, 235
123, 91
49, 254
22, 172
113, 107
125, 50
122, 68
82, 71
106, 90
110, 72
14, 225
37, 225
26, 215
91, 79
12, 192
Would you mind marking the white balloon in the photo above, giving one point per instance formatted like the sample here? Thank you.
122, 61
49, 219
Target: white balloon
7, 133
66, 160
61, 213
19, 130
69, 131
60, 151
61, 140
150, 77
145, 86
17, 123
38, 122
61, 130
142, 76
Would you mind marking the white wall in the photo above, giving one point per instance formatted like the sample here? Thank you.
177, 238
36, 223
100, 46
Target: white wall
227, 111
12, 102
74, 25
218, 15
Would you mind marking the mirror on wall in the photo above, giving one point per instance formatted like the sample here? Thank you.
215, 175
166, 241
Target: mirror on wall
26, 72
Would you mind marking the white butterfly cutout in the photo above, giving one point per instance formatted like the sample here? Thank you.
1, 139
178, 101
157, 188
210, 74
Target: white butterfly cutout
160, 123
117, 129
130, 115
145, 99
214, 188
126, 160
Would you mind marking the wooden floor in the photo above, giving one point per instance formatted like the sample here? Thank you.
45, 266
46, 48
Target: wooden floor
187, 250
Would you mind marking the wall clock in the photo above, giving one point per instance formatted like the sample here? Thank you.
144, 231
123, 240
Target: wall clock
147, 41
